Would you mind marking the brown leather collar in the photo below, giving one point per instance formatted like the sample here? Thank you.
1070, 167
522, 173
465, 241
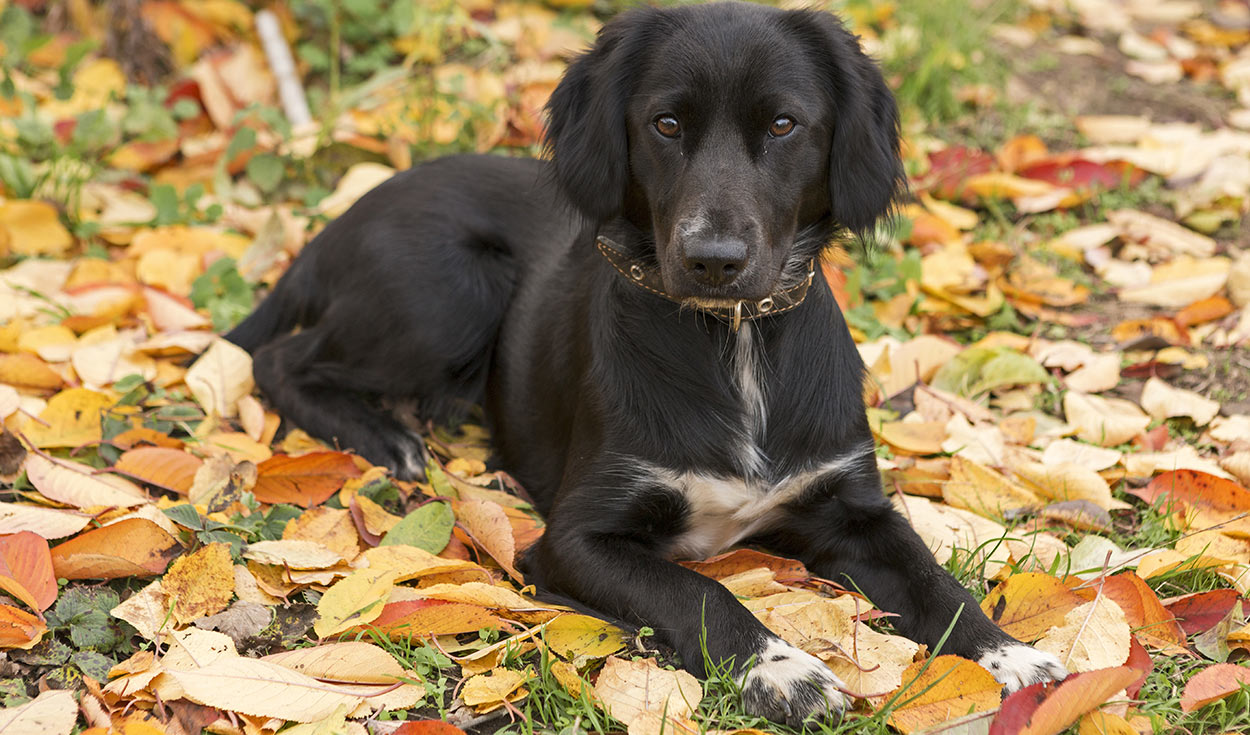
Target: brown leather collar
647, 277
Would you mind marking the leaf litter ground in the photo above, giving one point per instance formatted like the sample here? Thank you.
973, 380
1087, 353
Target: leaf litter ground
1055, 334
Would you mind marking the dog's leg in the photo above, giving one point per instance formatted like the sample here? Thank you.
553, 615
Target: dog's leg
285, 371
619, 572
845, 530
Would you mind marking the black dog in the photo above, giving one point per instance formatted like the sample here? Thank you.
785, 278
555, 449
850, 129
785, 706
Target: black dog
661, 364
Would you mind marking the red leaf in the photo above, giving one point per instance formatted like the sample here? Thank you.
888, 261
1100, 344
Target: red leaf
1079, 173
1200, 612
951, 167
427, 727
1140, 660
1213, 683
26, 569
1060, 705
306, 480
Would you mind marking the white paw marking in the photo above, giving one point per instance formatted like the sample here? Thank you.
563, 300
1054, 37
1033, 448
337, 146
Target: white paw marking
1016, 666
789, 685
412, 465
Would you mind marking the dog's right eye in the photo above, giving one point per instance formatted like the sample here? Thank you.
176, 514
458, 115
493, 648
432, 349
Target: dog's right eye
667, 126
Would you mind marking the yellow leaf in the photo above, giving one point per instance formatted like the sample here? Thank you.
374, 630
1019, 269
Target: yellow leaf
34, 228
200, 583
1029, 604
581, 638
914, 437
409, 562
1103, 421
1068, 482
1092, 636
54, 343
169, 269
879, 660
631, 690
261, 689
221, 376
489, 691
983, 491
72, 419
950, 687
331, 527
350, 661
354, 600
293, 554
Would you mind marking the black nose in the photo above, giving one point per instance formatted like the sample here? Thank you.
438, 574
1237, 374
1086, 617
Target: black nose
716, 262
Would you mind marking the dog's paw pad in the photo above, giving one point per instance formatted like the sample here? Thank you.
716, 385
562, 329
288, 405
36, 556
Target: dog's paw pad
1016, 665
788, 685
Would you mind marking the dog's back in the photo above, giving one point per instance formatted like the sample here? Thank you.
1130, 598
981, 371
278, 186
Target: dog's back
447, 236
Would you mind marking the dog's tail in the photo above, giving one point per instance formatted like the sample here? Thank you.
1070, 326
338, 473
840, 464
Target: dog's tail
289, 305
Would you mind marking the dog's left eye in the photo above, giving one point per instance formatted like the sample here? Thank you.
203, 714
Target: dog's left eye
781, 127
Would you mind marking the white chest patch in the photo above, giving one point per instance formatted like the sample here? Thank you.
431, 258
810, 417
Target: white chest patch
723, 511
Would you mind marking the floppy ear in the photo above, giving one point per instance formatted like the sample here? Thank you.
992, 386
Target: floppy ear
865, 172
586, 135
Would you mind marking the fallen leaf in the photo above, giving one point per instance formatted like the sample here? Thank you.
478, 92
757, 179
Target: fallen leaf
131, 548
949, 687
1103, 421
1029, 604
490, 530
76, 484
50, 523
220, 377
416, 619
629, 690
984, 491
581, 638
34, 228
1199, 612
261, 689
428, 528
349, 661
1162, 401
294, 554
355, 600
306, 480
1046, 709
200, 583
1150, 621
913, 437
72, 418
26, 569
170, 469
1068, 482
488, 691
53, 712
20, 629
1092, 636
1213, 684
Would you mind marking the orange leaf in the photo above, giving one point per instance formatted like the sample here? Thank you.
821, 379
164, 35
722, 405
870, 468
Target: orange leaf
1044, 709
422, 618
1020, 151
171, 469
135, 547
955, 687
141, 435
306, 480
1148, 618
26, 569
19, 629
786, 571
488, 526
1195, 489
1212, 683
1205, 310
1029, 604
24, 370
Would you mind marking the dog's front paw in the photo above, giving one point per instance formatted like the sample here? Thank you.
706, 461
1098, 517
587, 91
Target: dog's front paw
788, 685
1017, 665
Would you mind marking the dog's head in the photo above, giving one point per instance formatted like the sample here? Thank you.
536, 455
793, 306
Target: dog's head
728, 132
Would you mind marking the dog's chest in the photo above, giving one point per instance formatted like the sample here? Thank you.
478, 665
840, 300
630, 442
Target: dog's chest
722, 511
